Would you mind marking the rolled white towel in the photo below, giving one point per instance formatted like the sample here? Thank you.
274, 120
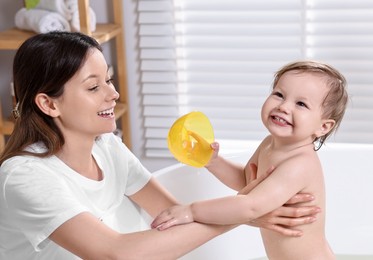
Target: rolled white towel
71, 5
58, 6
40, 21
75, 21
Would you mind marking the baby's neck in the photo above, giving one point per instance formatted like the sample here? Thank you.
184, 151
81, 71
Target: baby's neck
283, 146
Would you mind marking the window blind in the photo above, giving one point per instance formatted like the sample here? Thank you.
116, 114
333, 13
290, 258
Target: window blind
219, 57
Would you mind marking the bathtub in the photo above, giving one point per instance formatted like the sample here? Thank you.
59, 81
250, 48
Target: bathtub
349, 216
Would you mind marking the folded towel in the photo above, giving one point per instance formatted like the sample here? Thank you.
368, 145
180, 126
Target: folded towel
75, 21
58, 6
40, 21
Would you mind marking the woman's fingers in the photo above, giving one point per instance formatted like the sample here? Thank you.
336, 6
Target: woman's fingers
300, 198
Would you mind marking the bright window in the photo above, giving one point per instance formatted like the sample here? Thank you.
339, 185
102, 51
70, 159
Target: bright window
219, 57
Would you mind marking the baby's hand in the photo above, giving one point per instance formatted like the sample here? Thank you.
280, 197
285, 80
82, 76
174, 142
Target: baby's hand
215, 147
176, 215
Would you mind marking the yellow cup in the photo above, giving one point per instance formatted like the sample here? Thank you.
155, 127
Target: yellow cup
189, 139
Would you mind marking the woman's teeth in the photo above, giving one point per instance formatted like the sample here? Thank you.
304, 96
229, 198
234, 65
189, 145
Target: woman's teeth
109, 112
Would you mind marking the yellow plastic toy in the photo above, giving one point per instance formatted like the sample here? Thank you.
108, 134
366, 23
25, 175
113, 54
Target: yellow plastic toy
189, 139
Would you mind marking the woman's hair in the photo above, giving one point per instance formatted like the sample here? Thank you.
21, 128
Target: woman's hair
43, 64
335, 101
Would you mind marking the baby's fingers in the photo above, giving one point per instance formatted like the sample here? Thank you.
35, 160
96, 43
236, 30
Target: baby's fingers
163, 222
167, 224
160, 219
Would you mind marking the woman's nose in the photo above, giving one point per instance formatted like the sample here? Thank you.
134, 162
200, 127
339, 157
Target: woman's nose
112, 93
115, 95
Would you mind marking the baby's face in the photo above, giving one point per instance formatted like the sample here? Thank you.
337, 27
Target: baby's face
294, 108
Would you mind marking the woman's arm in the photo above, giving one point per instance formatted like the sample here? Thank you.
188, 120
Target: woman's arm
287, 218
154, 198
87, 237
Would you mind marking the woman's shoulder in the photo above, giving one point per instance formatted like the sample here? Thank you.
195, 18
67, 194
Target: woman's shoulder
24, 173
23, 164
29, 165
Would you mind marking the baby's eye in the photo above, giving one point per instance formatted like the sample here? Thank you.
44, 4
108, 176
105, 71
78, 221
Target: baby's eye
277, 94
302, 104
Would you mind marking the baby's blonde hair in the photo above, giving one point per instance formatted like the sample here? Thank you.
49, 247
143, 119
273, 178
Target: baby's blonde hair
335, 101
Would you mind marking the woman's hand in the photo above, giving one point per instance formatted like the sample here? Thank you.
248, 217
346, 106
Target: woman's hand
290, 215
284, 219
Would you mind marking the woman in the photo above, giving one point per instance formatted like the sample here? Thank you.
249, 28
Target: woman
63, 173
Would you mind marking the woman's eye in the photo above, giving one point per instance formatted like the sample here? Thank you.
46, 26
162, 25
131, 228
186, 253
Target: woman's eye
110, 81
94, 88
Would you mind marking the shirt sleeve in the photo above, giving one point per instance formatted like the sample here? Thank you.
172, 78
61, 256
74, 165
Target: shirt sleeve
39, 201
126, 163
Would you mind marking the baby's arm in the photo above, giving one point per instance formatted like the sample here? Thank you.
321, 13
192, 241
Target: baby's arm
183, 214
234, 175
274, 191
229, 173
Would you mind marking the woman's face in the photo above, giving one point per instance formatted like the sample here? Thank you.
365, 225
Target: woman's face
87, 105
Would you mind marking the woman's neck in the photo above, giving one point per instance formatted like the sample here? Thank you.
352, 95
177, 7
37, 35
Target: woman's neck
78, 156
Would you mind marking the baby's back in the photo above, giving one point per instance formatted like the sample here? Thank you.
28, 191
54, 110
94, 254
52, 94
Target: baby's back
311, 246
301, 168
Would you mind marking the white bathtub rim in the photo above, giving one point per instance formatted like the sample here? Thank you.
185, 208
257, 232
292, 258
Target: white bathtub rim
252, 145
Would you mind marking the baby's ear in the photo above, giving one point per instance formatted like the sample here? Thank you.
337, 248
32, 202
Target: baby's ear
326, 126
46, 105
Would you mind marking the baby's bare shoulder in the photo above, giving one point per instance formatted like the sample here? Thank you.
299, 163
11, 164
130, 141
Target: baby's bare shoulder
302, 162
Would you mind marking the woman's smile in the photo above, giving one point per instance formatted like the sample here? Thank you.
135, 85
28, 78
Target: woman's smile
108, 113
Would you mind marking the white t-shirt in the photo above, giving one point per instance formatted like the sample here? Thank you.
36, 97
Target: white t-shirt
37, 195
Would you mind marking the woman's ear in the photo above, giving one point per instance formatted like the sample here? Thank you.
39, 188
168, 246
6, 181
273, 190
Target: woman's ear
326, 126
46, 104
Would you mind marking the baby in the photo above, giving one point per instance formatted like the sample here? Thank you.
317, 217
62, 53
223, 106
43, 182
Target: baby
306, 106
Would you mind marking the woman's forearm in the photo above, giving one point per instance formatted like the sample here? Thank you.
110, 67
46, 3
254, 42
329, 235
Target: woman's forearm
168, 244
87, 237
